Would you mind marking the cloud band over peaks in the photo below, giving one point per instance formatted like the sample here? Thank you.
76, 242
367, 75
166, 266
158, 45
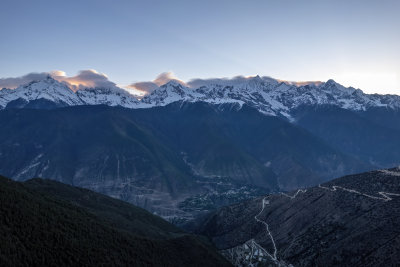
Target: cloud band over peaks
84, 79
144, 88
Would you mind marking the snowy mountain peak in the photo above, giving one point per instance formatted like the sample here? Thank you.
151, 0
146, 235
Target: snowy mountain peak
256, 79
254, 83
170, 92
173, 87
47, 89
58, 93
111, 96
173, 83
334, 86
268, 95
330, 82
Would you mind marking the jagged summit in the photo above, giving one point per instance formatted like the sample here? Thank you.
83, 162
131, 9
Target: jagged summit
48, 90
173, 83
332, 85
170, 92
330, 82
111, 96
270, 96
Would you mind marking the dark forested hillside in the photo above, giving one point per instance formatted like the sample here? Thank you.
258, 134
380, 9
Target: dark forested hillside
45, 223
117, 213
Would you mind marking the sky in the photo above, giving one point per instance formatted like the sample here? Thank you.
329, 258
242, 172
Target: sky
356, 43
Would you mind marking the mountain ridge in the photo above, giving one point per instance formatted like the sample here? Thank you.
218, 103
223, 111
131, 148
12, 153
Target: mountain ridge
269, 96
197, 155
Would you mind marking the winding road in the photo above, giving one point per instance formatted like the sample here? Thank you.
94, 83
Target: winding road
383, 196
265, 202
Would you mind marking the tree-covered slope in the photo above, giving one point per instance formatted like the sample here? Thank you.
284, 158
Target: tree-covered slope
117, 213
79, 228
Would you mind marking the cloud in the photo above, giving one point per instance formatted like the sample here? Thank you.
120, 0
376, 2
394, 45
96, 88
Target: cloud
93, 78
196, 83
14, 82
165, 77
144, 88
84, 79
58, 73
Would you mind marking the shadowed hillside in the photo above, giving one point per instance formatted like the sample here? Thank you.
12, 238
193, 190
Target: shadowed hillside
79, 227
350, 221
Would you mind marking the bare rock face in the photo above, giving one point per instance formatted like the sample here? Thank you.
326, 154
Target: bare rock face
350, 221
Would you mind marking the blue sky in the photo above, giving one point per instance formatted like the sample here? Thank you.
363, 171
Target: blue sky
354, 42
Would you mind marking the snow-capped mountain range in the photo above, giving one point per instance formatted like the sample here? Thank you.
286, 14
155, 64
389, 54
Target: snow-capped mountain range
269, 96
61, 95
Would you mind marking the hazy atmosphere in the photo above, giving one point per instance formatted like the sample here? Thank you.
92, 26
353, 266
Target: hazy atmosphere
353, 42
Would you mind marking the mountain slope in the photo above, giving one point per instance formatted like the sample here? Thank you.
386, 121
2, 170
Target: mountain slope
94, 147
107, 96
350, 221
38, 228
158, 158
117, 213
357, 134
199, 132
226, 131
